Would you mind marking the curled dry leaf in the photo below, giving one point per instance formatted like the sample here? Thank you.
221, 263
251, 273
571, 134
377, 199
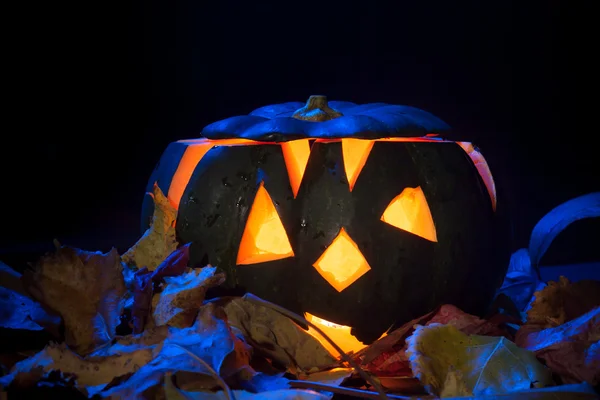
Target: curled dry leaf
451, 363
570, 350
159, 240
86, 289
175, 264
563, 301
277, 336
178, 303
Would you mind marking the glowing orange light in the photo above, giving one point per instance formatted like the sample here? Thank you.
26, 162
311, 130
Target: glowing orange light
264, 238
342, 263
409, 211
340, 334
482, 168
355, 153
296, 153
195, 150
191, 157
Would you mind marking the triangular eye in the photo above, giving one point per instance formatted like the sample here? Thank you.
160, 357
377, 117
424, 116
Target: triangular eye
264, 237
409, 211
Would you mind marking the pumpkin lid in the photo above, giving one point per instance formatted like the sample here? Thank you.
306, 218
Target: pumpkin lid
321, 119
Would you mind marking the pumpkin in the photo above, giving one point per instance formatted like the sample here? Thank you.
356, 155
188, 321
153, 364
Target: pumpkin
360, 216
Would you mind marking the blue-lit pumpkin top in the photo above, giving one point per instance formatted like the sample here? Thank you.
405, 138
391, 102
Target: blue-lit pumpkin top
320, 119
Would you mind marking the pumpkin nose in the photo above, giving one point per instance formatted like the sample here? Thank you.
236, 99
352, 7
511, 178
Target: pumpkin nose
342, 263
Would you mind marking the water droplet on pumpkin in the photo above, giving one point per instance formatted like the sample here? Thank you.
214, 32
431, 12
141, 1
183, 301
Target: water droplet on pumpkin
243, 176
184, 224
303, 222
225, 182
239, 202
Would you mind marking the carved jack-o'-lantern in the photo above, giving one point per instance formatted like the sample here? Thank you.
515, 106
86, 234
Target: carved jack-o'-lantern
356, 214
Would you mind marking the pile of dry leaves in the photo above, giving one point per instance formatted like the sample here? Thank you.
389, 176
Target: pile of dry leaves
139, 326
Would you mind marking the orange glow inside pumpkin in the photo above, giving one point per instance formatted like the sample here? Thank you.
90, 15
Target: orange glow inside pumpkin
264, 238
342, 263
409, 211
483, 169
340, 334
194, 152
355, 153
295, 154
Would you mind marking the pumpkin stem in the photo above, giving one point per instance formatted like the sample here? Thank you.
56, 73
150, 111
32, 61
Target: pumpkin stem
316, 110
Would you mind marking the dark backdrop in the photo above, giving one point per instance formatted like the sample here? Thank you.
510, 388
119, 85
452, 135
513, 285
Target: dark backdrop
106, 87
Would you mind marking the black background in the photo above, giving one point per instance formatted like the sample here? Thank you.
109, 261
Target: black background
100, 90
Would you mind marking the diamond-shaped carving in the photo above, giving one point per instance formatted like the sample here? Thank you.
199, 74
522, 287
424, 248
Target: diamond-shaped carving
342, 263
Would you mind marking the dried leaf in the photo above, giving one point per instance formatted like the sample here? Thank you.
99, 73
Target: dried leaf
174, 265
11, 279
277, 336
280, 394
387, 356
178, 303
451, 363
521, 280
571, 350
467, 323
563, 301
159, 240
210, 339
563, 392
89, 372
148, 339
85, 288
20, 312
142, 299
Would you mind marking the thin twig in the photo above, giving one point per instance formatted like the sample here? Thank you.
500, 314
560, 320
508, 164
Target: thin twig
252, 298
364, 394
226, 389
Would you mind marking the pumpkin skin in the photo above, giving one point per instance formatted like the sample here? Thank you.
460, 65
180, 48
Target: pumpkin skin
408, 276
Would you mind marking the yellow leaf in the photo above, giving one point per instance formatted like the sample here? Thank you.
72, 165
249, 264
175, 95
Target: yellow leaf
450, 363
159, 240
177, 304
85, 288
